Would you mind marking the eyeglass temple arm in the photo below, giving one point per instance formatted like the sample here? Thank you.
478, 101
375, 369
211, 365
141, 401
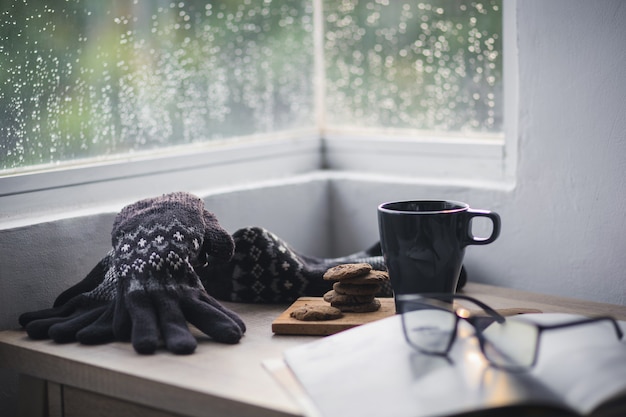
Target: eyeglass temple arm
618, 330
490, 311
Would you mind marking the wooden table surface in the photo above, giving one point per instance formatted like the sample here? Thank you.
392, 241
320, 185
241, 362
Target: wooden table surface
220, 380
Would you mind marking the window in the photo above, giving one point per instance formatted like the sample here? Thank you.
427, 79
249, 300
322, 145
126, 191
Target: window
91, 78
423, 65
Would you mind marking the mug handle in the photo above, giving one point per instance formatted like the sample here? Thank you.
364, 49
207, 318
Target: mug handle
495, 232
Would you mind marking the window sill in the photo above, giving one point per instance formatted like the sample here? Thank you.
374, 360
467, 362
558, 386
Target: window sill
428, 157
77, 190
385, 155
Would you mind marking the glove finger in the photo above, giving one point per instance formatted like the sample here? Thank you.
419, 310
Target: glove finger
211, 321
145, 331
178, 339
213, 302
65, 331
122, 323
38, 329
91, 281
48, 313
101, 330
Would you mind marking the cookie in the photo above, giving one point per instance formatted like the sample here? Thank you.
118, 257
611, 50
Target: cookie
372, 277
341, 299
356, 289
315, 313
346, 271
374, 305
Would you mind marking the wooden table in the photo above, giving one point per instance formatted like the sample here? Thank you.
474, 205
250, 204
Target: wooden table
217, 380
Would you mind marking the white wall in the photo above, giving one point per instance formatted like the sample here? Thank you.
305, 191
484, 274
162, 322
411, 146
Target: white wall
566, 219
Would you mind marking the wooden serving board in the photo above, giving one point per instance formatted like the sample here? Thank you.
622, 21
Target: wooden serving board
284, 324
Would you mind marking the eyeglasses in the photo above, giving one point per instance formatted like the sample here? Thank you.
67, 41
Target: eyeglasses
430, 321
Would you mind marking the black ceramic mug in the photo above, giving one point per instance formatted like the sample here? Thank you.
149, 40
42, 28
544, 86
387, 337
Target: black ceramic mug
423, 242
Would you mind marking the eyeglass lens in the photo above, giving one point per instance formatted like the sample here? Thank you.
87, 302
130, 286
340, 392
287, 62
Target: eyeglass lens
511, 344
431, 329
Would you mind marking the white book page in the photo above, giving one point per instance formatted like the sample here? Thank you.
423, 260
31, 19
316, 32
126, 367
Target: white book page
372, 371
586, 364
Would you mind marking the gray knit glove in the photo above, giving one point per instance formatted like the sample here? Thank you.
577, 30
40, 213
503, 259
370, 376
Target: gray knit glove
157, 242
81, 313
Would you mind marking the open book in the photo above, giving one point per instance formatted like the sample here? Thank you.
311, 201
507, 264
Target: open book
370, 371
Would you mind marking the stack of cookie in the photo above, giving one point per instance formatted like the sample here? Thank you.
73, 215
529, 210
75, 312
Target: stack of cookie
355, 287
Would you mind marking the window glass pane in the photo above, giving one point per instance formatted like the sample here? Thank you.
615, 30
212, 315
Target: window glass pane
91, 78
85, 78
431, 65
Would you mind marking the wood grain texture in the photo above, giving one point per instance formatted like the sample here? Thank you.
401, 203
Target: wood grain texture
499, 297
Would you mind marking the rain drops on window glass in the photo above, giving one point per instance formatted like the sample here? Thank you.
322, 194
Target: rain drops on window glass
100, 78
431, 65
87, 78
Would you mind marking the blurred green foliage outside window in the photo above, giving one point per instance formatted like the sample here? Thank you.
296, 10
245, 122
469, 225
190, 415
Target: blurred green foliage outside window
97, 78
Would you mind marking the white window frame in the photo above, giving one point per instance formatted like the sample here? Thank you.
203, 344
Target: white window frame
454, 159
487, 159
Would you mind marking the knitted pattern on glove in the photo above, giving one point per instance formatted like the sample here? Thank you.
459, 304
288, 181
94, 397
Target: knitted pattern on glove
156, 244
265, 269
